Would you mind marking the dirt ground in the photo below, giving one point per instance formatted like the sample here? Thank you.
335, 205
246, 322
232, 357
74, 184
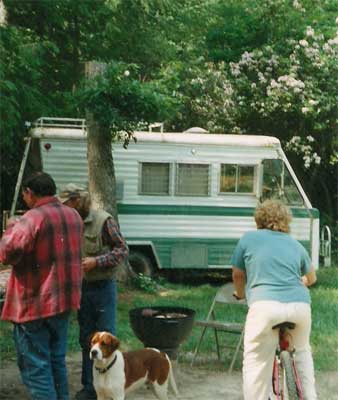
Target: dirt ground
193, 383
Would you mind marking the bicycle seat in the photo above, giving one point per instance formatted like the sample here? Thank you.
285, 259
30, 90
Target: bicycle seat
286, 324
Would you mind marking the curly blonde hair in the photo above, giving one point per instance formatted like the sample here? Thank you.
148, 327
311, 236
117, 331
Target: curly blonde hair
273, 215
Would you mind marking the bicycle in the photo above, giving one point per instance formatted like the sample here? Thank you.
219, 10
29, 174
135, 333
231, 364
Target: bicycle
285, 379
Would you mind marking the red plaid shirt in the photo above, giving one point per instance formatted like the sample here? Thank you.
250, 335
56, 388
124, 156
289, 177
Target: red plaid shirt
44, 248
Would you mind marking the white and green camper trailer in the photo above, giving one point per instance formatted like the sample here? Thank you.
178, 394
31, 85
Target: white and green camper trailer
184, 199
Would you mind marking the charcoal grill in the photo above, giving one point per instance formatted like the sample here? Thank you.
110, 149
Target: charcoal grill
162, 327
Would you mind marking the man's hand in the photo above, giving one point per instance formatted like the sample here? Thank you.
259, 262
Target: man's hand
88, 263
12, 221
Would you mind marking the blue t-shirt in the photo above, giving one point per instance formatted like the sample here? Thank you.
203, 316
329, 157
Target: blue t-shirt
274, 263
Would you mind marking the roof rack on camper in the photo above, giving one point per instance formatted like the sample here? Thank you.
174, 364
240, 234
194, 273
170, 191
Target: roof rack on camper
156, 125
55, 122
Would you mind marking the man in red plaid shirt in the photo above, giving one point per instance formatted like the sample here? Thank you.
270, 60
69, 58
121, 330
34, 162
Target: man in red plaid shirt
44, 248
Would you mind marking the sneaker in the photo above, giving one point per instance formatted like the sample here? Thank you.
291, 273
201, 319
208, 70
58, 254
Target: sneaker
85, 394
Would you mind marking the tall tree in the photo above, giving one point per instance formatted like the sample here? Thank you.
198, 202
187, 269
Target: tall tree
116, 101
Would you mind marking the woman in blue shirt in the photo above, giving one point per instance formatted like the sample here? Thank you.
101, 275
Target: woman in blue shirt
272, 270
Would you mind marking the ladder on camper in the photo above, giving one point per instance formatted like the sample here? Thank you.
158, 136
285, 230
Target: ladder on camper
325, 245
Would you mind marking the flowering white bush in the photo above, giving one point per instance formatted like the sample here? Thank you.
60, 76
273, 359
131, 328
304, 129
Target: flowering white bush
214, 99
294, 97
303, 147
287, 91
206, 95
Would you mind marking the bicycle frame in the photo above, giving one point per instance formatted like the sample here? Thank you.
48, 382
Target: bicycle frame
279, 373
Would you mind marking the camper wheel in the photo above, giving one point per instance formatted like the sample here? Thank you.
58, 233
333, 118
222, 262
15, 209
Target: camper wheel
140, 263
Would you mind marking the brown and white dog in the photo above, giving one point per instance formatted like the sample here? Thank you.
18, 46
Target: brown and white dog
116, 373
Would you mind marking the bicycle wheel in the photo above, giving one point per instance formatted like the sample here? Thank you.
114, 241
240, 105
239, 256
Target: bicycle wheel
288, 375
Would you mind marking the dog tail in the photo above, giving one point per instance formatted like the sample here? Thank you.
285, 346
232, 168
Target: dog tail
172, 378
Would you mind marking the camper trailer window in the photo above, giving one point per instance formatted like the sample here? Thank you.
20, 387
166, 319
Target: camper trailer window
192, 179
155, 178
236, 178
279, 184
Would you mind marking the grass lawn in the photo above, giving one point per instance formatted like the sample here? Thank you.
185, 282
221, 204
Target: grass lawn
324, 337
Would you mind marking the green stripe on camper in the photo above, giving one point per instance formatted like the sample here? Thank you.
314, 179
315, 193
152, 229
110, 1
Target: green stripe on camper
156, 209
194, 253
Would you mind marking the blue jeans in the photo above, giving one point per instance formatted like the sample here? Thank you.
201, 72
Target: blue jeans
41, 350
97, 313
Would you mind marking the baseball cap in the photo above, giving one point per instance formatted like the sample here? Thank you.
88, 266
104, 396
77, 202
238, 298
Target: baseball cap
71, 191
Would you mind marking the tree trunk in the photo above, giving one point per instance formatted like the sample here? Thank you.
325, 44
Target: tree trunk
101, 171
101, 167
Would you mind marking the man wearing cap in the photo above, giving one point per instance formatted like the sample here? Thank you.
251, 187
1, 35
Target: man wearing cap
44, 249
103, 250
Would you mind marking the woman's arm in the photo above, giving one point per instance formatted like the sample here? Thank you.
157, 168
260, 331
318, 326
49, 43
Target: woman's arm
239, 279
310, 278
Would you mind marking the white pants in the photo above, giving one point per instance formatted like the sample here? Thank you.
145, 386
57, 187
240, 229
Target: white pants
260, 342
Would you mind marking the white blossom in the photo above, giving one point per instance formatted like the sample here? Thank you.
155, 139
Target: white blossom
246, 58
295, 139
235, 69
310, 138
317, 158
2, 14
291, 82
126, 73
307, 161
274, 84
303, 43
327, 47
310, 32
296, 5
273, 61
333, 41
305, 110
261, 77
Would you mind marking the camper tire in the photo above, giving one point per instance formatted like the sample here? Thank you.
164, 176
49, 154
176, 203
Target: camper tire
140, 263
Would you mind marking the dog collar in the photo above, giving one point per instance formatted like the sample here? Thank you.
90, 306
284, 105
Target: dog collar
103, 370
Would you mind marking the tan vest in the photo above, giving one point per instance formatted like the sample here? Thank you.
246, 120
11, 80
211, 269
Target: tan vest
93, 246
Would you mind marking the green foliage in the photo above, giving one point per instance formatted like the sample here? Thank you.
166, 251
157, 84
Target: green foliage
238, 31
252, 24
145, 283
136, 35
204, 96
325, 318
41, 48
21, 98
153, 33
70, 27
121, 101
